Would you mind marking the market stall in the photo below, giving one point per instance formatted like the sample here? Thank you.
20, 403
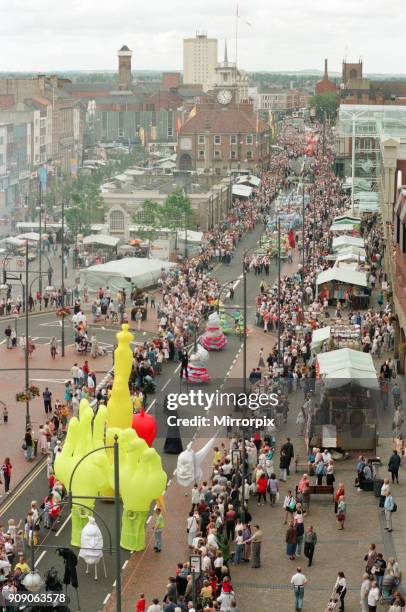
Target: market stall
349, 388
343, 284
342, 242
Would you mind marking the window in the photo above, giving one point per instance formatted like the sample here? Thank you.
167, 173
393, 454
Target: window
170, 130
117, 221
249, 155
217, 140
250, 139
201, 154
233, 155
217, 154
201, 139
1, 159
233, 139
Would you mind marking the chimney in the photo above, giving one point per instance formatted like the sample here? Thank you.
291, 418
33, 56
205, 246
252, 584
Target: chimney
124, 68
325, 70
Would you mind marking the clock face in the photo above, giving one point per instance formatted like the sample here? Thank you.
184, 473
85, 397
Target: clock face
224, 96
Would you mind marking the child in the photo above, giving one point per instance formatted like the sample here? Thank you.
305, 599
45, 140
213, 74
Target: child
331, 606
141, 603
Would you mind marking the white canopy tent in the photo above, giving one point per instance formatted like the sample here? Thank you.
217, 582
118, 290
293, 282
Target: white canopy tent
350, 250
347, 219
252, 180
345, 275
31, 236
342, 227
13, 241
242, 191
348, 258
124, 273
319, 336
341, 242
102, 239
338, 368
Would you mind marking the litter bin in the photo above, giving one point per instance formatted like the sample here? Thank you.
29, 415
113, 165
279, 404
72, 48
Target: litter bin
378, 482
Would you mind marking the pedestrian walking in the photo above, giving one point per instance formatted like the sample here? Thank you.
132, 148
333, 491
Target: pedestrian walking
288, 449
6, 470
158, 528
310, 541
298, 581
184, 365
341, 512
340, 588
373, 597
256, 542
290, 540
53, 346
394, 465
365, 587
389, 506
47, 397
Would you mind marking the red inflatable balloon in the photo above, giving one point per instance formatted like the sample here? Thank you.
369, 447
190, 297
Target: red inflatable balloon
145, 426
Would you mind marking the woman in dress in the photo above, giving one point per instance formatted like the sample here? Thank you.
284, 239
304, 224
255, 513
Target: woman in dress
192, 527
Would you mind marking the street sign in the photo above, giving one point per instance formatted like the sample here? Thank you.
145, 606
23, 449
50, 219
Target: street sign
195, 562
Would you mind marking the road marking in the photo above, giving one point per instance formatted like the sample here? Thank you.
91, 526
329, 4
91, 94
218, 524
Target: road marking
149, 519
63, 525
125, 564
106, 599
177, 369
3, 341
169, 482
150, 406
53, 380
114, 583
51, 324
166, 384
26, 484
44, 552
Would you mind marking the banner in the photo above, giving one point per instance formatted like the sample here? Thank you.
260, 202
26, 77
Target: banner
43, 177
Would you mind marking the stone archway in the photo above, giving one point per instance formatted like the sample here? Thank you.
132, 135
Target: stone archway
185, 162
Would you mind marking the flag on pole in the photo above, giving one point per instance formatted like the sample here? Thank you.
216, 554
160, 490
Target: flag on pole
192, 113
243, 20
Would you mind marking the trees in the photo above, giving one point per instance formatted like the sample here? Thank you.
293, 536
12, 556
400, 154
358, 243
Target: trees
325, 105
176, 214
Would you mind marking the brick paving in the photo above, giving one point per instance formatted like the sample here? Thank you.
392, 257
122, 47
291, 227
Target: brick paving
44, 371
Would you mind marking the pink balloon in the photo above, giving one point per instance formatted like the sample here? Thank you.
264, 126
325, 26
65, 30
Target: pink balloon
145, 426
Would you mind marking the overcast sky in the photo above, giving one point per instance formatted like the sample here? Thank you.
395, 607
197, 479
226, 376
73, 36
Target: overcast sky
46, 35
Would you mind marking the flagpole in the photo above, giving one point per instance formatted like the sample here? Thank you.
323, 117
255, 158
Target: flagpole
236, 35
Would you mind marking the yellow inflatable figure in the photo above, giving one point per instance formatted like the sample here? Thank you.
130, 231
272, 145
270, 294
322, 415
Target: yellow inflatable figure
91, 475
119, 406
142, 480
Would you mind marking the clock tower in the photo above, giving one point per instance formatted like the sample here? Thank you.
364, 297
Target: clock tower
225, 89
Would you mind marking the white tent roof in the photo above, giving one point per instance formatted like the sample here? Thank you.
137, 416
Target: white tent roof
320, 335
344, 241
15, 241
347, 219
104, 239
124, 273
255, 181
242, 191
27, 225
345, 365
347, 257
30, 236
342, 227
99, 227
191, 235
370, 206
342, 275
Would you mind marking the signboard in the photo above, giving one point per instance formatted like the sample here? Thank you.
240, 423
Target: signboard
195, 563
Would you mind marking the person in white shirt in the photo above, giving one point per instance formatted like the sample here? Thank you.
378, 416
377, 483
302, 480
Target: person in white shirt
365, 586
373, 597
155, 607
298, 581
340, 588
326, 456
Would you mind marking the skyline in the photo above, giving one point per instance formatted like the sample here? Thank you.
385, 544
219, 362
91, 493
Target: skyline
88, 36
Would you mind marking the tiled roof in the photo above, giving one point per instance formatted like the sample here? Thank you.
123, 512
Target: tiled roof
223, 121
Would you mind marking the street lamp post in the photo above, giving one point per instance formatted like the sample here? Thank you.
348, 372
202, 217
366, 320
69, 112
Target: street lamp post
279, 293
26, 354
63, 278
40, 242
